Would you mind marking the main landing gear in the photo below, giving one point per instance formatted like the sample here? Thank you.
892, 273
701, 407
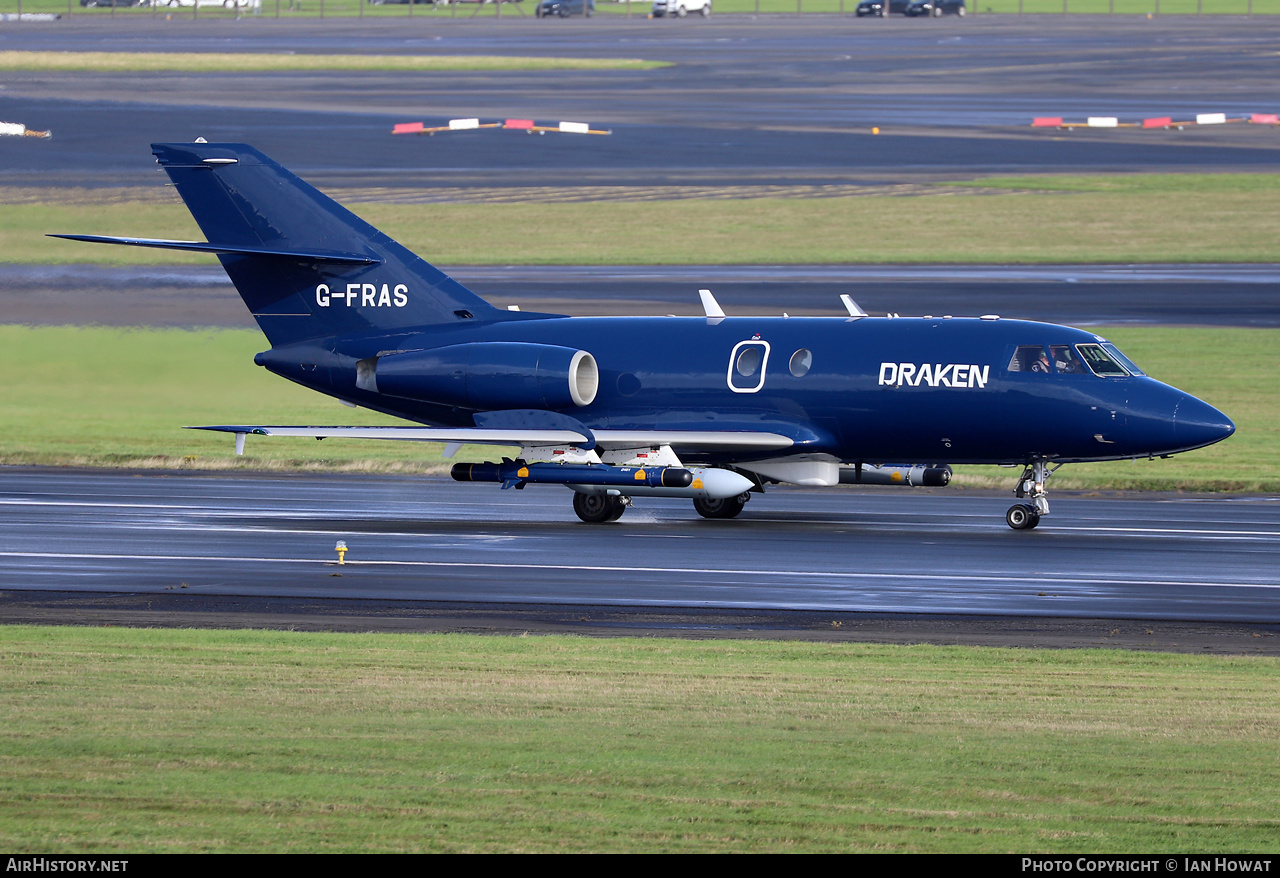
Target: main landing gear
1025, 516
729, 507
599, 508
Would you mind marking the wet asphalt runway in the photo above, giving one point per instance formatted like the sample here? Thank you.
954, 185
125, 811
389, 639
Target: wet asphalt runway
412, 540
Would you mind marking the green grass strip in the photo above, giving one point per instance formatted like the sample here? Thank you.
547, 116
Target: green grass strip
119, 397
131, 741
245, 62
1087, 219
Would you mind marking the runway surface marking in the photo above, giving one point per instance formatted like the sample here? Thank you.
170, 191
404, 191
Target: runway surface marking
204, 512
920, 577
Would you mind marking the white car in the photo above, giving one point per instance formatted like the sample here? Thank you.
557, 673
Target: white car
681, 8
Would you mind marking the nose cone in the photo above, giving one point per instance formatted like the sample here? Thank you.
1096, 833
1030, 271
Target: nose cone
1197, 424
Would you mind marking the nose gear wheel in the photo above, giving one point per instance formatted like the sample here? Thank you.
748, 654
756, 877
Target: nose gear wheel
1025, 516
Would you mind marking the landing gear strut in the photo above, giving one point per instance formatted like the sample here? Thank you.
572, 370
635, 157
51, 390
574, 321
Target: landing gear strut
726, 508
1025, 516
599, 508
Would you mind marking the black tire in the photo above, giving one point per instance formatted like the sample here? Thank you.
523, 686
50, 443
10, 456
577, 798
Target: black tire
961, 12
597, 508
706, 10
727, 508
681, 12
1022, 516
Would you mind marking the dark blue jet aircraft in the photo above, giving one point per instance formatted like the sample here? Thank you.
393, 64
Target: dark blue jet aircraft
710, 408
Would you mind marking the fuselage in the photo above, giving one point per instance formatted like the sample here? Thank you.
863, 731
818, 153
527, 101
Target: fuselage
959, 390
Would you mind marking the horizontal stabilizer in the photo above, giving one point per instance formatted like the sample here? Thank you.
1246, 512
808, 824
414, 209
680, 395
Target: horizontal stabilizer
234, 249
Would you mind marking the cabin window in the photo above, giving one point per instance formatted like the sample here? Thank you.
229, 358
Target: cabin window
1100, 362
747, 364
801, 362
748, 361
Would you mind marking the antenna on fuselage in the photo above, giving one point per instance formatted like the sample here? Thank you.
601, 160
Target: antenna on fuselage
710, 305
852, 306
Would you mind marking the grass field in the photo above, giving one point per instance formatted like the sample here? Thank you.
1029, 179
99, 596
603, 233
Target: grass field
130, 741
118, 397
1031, 220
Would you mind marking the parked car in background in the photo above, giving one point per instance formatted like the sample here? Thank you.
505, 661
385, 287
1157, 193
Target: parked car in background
680, 8
90, 4
876, 7
564, 8
936, 8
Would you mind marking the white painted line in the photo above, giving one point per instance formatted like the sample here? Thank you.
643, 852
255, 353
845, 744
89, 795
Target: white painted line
854, 518
704, 571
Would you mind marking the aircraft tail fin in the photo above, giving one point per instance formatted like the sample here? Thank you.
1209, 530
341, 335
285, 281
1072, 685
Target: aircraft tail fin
305, 266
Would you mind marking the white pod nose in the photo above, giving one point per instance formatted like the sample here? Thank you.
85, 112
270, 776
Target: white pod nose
718, 484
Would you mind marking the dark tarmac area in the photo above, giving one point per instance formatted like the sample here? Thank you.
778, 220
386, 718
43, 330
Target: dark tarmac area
775, 99
514, 620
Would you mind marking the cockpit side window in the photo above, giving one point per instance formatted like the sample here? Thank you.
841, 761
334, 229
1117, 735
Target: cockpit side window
1029, 358
1101, 362
1124, 361
1065, 360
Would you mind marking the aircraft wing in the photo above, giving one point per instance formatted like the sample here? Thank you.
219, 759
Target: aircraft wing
717, 440
470, 435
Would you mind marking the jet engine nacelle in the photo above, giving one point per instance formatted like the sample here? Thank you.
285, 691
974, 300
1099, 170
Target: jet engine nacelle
487, 376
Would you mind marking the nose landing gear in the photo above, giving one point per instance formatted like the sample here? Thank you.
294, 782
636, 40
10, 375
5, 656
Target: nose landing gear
1025, 516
